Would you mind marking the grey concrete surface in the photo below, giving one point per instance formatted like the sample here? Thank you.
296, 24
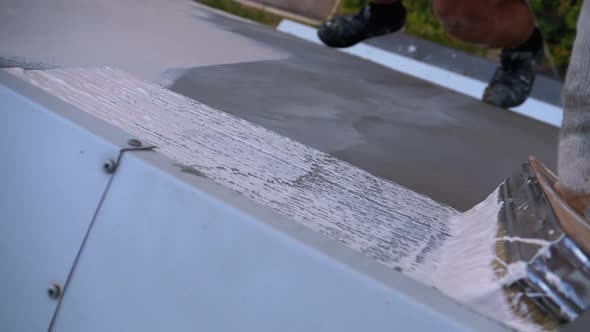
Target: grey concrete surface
450, 147
547, 89
151, 39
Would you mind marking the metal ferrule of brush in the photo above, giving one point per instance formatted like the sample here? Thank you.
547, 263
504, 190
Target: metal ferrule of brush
556, 271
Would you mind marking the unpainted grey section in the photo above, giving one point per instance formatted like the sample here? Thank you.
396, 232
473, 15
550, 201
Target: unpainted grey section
450, 147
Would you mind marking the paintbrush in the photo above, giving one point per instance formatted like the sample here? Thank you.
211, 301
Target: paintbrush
520, 256
547, 240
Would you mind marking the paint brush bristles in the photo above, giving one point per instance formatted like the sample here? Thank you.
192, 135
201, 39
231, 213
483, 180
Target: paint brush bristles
471, 268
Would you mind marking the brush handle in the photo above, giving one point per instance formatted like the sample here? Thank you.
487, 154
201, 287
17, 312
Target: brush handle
568, 215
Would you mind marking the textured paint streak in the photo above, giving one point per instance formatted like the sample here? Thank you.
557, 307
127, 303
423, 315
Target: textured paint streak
389, 223
379, 218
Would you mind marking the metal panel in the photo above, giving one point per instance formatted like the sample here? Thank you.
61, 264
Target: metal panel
51, 182
170, 249
172, 252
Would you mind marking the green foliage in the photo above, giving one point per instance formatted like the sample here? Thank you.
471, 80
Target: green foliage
422, 22
235, 8
351, 6
556, 19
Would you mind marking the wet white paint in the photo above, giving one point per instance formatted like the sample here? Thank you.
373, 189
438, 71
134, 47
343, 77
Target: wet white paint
379, 218
151, 39
463, 267
539, 242
389, 223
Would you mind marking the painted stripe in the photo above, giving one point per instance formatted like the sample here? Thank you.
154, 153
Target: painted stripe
532, 108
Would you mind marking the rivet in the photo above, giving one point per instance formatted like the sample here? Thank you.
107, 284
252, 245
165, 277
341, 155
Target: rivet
54, 291
134, 143
109, 166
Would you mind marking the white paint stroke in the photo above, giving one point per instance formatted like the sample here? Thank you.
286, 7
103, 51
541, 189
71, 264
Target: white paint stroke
463, 268
532, 108
383, 220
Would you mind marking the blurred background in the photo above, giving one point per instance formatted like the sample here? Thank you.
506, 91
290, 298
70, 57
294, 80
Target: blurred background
556, 19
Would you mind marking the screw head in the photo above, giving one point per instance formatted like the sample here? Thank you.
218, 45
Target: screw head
109, 166
54, 291
134, 143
